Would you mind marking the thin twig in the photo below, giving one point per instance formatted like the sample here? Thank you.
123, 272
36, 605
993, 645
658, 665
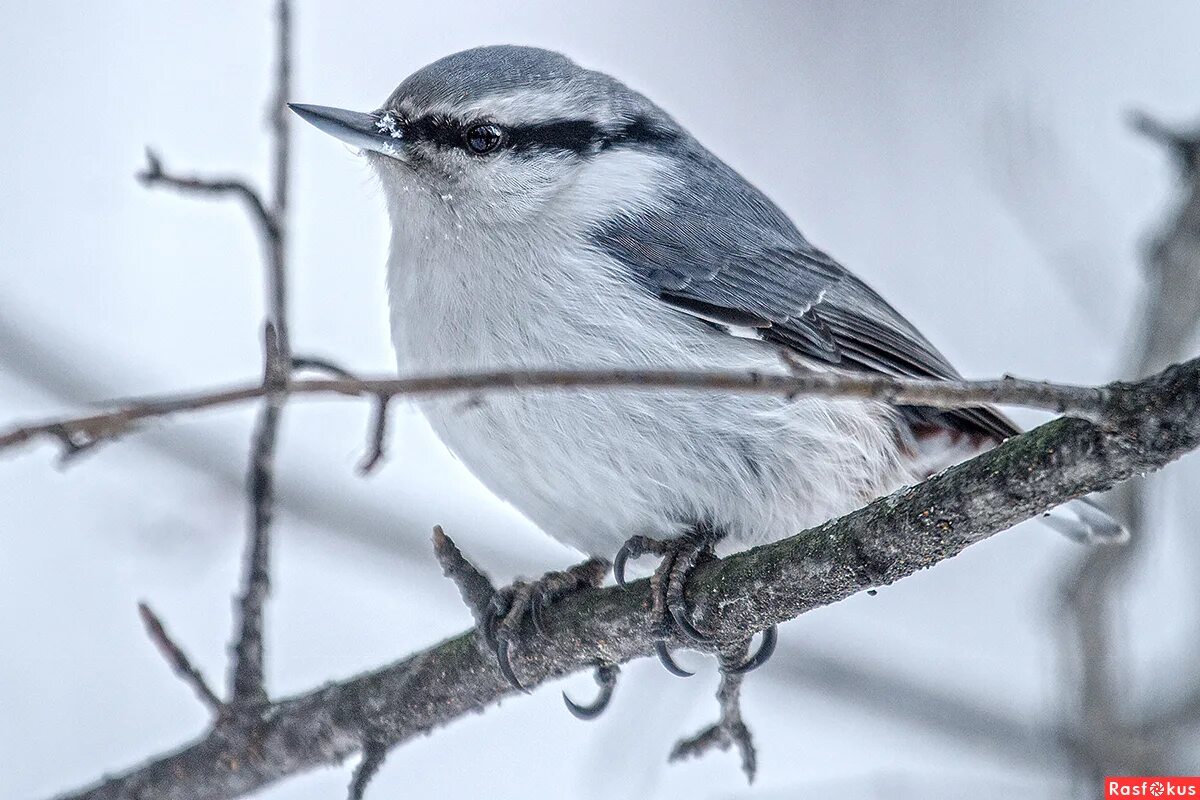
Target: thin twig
247, 688
155, 174
181, 665
378, 436
730, 729
1085, 402
318, 364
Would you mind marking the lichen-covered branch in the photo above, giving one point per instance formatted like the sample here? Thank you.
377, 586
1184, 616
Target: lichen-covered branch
1148, 424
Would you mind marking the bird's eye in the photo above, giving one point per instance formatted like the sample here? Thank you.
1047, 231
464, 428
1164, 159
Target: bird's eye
484, 138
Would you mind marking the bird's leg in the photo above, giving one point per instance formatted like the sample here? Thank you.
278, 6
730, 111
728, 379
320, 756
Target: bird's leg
668, 586
730, 729
509, 607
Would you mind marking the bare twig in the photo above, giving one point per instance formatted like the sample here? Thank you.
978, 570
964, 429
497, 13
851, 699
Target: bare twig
1159, 420
730, 729
181, 665
318, 364
247, 689
155, 174
378, 436
1084, 402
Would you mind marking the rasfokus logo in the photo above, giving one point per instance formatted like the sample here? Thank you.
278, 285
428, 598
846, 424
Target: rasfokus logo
1159, 786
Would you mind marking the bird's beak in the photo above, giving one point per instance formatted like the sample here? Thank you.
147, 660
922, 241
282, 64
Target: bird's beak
379, 132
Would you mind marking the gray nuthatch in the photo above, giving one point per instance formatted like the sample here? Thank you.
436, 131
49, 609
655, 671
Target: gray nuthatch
545, 215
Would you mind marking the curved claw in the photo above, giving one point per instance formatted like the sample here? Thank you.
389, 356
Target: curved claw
606, 676
664, 656
623, 555
590, 711
506, 664
769, 639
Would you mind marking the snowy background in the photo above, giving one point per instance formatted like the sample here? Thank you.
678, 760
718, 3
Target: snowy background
970, 160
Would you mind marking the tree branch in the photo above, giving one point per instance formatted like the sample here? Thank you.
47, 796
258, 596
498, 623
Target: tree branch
247, 693
1151, 423
247, 688
1084, 402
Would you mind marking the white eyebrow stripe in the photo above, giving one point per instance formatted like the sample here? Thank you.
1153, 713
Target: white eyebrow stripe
520, 108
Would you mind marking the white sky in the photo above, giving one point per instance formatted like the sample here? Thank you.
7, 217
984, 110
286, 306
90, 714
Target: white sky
970, 160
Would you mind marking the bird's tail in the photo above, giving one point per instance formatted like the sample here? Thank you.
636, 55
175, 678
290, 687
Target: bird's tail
1084, 521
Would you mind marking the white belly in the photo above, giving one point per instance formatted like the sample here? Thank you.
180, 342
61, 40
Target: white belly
593, 468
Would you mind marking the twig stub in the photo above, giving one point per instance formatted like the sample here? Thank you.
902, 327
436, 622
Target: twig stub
374, 753
730, 729
180, 664
475, 587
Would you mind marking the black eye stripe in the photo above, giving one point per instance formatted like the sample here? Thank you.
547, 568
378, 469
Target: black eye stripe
438, 130
640, 131
584, 137
579, 136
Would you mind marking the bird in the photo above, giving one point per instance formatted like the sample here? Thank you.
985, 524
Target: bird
547, 216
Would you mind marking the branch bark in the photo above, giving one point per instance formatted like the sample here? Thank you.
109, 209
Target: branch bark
1149, 424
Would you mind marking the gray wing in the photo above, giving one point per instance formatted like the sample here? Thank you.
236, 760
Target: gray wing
748, 267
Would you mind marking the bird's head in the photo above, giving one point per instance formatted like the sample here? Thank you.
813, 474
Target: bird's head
496, 133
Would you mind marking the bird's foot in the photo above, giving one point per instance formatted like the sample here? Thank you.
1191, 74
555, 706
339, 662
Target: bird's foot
668, 585
510, 606
499, 614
